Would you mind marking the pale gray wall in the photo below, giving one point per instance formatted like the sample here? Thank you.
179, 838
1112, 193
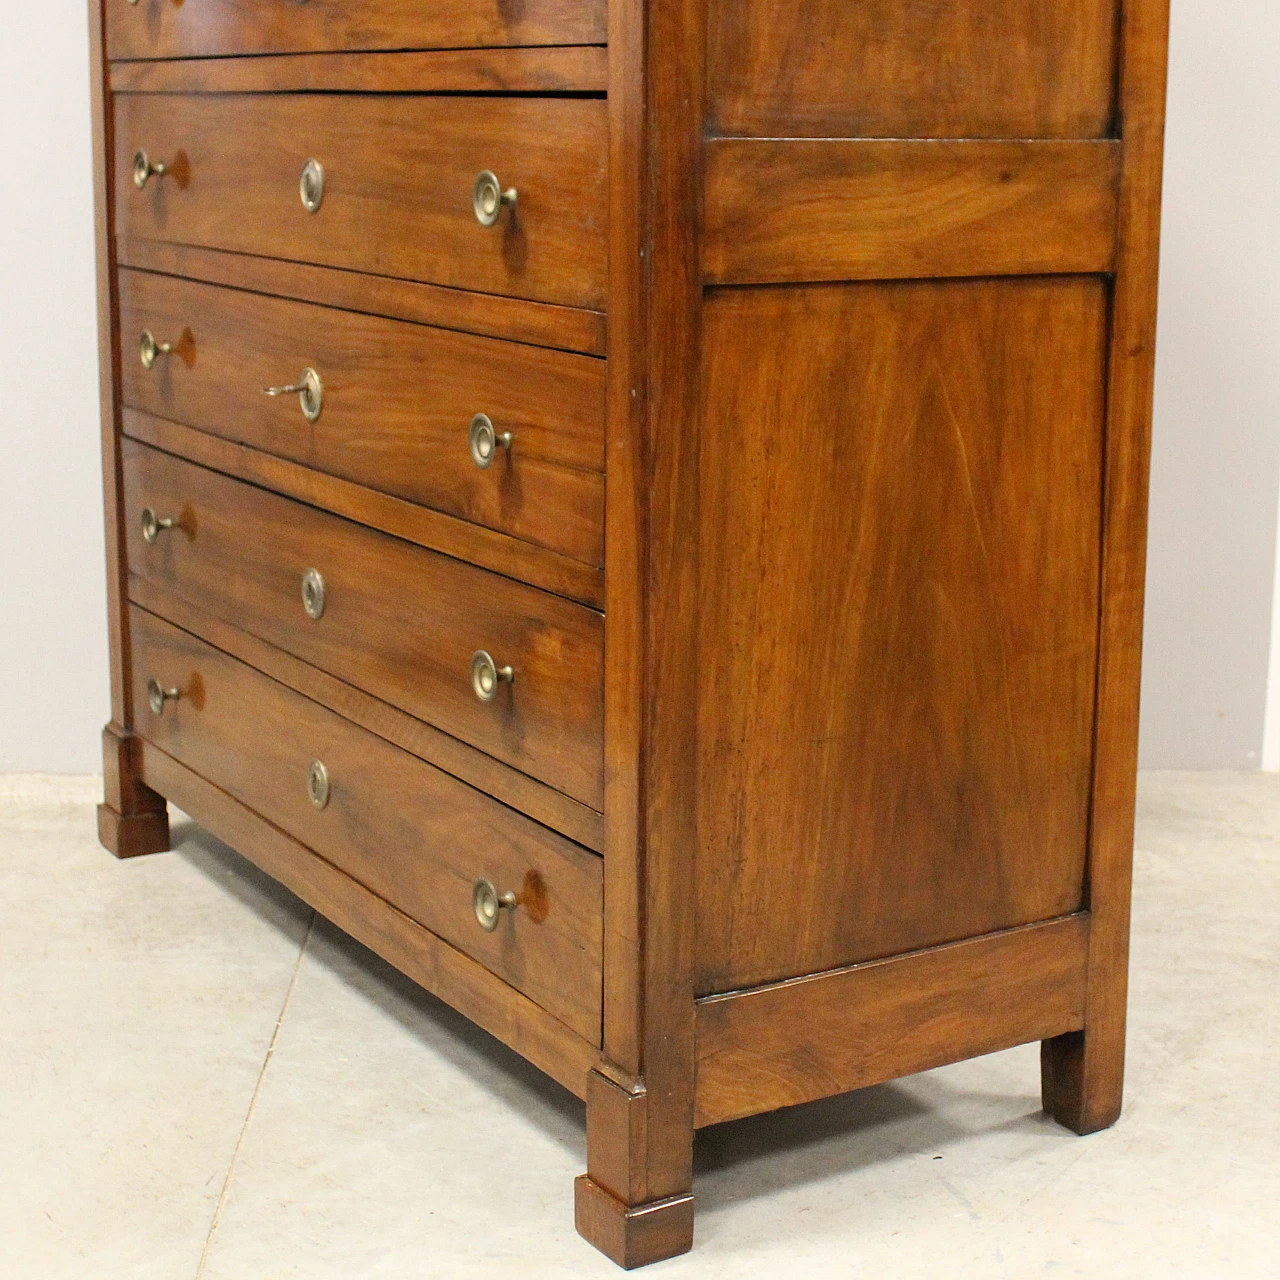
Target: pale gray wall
1216, 446
53, 664
1217, 456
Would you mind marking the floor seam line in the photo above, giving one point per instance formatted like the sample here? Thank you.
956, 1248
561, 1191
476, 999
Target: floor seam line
253, 1103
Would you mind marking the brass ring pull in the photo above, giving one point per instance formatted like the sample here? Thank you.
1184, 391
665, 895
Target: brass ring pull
310, 393
318, 784
485, 441
489, 904
488, 197
149, 348
311, 186
313, 594
144, 168
158, 695
486, 675
153, 526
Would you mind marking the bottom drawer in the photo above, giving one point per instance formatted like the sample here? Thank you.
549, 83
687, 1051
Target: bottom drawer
414, 835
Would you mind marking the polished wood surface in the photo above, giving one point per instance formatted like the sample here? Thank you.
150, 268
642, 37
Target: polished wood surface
410, 833
782, 210
1084, 1074
544, 804
539, 323
398, 175
447, 534
398, 404
844, 689
203, 28
399, 622
899, 69
829, 1033
446, 972
569, 70
633, 1236
898, 617
132, 820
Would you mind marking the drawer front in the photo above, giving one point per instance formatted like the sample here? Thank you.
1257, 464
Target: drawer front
397, 406
205, 28
416, 836
398, 621
397, 192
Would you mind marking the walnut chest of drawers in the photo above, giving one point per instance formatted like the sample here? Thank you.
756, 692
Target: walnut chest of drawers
635, 509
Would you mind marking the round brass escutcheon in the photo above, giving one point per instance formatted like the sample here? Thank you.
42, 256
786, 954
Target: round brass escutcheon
488, 197
313, 594
311, 186
485, 440
489, 904
144, 168
149, 348
158, 695
309, 390
318, 784
153, 525
486, 675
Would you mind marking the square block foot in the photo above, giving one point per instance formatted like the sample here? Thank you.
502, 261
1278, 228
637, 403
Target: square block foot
131, 835
633, 1235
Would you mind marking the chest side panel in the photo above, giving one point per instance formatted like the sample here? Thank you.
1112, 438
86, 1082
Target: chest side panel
901, 498
924, 68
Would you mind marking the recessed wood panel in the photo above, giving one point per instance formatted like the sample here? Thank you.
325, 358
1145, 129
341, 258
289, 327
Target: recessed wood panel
398, 179
205, 28
912, 68
898, 617
789, 210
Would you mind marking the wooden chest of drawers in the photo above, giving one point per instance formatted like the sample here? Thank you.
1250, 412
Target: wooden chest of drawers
636, 510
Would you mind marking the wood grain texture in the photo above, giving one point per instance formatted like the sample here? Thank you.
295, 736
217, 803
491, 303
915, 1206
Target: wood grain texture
539, 323
398, 175
133, 820
410, 833
582, 69
1084, 1074
398, 404
206, 28
446, 972
102, 120
888, 68
399, 622
633, 1235
781, 210
898, 617
626, 536
447, 534
829, 1033
656, 100
544, 804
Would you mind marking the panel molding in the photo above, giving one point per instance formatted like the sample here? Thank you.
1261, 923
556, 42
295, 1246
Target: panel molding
784, 210
570, 69
811, 1037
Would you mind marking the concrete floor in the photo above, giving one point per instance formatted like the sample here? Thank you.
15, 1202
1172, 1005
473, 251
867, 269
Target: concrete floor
201, 1079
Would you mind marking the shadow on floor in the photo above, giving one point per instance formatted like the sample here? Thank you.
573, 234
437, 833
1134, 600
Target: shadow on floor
733, 1162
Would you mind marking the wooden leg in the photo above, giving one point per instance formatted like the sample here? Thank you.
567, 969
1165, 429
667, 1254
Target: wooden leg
133, 819
635, 1202
1082, 1079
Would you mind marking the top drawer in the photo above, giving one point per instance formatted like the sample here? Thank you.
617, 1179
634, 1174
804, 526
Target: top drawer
205, 28
390, 185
